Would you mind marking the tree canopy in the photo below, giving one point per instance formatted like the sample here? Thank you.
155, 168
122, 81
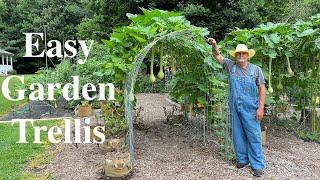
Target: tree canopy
84, 19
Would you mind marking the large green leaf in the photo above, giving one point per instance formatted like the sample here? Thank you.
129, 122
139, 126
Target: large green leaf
270, 52
244, 36
177, 19
212, 63
306, 32
317, 43
135, 33
275, 38
268, 40
288, 53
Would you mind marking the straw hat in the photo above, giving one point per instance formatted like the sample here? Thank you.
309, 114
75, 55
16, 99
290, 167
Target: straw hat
242, 48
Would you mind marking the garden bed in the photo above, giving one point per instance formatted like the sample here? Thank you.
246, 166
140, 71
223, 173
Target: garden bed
36, 110
165, 151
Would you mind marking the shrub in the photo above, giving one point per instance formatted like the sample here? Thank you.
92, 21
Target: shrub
12, 72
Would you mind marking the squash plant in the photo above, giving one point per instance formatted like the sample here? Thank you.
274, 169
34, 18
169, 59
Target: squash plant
126, 41
290, 54
188, 55
309, 33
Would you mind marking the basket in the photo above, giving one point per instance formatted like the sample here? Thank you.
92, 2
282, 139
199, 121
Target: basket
117, 168
84, 111
115, 144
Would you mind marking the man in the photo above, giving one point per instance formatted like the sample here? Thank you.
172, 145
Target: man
246, 105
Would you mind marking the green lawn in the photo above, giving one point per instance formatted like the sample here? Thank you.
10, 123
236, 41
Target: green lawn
6, 105
13, 156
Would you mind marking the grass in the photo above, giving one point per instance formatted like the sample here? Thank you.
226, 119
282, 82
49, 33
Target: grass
7, 105
32, 176
15, 158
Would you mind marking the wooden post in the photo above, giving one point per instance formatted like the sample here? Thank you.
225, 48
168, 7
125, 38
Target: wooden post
11, 63
264, 135
7, 59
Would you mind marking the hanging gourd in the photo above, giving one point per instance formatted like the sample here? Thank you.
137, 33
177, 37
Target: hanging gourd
270, 89
173, 67
289, 67
279, 86
161, 74
152, 77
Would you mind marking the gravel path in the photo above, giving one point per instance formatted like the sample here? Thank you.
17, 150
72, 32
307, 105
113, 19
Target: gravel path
165, 152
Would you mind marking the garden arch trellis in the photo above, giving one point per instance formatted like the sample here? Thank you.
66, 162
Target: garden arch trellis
130, 81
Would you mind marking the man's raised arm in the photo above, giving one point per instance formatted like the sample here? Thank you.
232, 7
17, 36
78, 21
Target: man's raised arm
215, 50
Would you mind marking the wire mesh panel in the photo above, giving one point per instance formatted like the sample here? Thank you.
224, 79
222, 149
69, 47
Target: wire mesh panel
198, 122
167, 79
131, 80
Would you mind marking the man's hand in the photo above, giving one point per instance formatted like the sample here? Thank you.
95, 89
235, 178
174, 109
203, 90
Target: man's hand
215, 50
260, 113
262, 100
212, 41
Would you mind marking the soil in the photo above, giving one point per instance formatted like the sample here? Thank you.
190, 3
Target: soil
164, 151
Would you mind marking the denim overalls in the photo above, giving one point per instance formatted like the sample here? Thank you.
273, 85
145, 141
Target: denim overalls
246, 132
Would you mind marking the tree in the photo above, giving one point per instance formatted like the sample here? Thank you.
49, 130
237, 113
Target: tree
101, 16
21, 16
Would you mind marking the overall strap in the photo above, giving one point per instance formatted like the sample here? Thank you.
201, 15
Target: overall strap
233, 68
251, 70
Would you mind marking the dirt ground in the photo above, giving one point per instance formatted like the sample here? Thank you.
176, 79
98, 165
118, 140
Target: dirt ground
164, 151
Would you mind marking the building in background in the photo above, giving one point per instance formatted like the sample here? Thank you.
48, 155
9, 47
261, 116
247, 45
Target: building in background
5, 62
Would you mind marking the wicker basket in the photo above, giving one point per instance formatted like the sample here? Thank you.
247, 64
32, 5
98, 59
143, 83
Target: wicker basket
115, 144
84, 111
118, 168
